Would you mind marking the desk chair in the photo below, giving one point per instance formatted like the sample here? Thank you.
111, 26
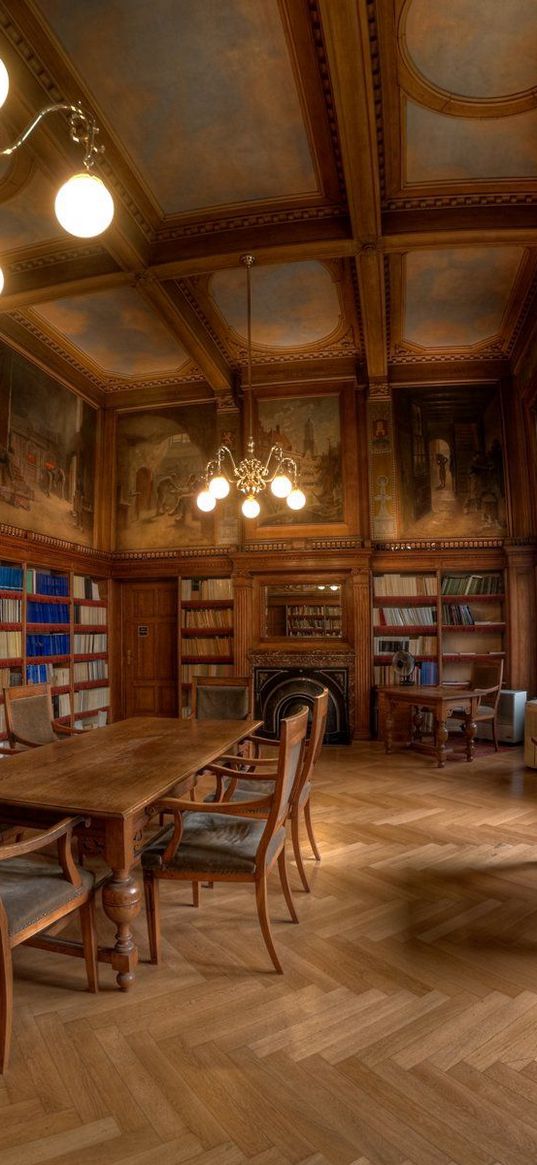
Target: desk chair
486, 675
299, 805
34, 893
228, 842
222, 698
30, 718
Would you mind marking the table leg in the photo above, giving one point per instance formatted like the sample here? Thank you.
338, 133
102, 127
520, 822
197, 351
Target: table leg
470, 729
389, 722
417, 722
121, 904
441, 736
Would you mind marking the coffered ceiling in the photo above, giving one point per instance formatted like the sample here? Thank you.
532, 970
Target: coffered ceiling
378, 157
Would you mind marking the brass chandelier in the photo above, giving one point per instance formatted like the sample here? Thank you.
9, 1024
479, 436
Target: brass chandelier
250, 475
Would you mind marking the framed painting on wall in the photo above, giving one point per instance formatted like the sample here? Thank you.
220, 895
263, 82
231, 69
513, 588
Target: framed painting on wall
47, 453
317, 429
450, 462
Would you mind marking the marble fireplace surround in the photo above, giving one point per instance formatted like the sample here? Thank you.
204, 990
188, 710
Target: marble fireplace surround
283, 680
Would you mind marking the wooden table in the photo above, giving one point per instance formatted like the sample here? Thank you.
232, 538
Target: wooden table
113, 776
441, 701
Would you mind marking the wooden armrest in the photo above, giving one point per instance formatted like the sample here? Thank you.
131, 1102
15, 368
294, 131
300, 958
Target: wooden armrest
261, 740
65, 730
5, 750
232, 808
39, 841
234, 774
243, 760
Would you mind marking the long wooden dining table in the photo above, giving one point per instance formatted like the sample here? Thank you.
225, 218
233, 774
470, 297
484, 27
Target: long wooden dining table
113, 776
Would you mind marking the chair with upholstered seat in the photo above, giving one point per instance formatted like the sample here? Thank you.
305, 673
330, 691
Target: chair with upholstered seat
228, 842
300, 802
30, 718
36, 892
486, 677
221, 698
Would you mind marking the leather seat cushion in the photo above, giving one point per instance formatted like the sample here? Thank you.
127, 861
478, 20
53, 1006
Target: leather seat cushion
215, 843
32, 888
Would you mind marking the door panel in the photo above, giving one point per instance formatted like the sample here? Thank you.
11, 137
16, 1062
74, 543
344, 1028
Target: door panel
149, 636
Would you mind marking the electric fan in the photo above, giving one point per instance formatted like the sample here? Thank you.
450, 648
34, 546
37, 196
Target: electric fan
403, 664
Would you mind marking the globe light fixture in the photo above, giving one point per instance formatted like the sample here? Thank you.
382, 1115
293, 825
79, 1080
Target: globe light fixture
84, 206
250, 475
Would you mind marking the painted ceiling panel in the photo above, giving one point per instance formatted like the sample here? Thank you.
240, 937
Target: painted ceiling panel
28, 216
474, 48
117, 330
455, 297
214, 117
293, 305
440, 148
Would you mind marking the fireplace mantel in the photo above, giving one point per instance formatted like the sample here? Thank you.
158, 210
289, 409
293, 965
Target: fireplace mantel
277, 676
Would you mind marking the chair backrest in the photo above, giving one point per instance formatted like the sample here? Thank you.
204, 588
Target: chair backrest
29, 713
314, 742
226, 698
488, 674
290, 759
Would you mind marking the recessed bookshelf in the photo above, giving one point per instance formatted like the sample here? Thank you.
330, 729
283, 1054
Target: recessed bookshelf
206, 641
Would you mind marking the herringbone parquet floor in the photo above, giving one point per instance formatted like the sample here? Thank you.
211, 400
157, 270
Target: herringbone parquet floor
404, 1031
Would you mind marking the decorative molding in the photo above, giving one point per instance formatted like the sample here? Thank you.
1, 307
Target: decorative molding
248, 221
48, 540
186, 287
66, 255
173, 555
457, 201
374, 49
443, 544
492, 351
522, 318
324, 74
379, 390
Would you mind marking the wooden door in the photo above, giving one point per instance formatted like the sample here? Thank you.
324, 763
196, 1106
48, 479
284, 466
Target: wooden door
149, 653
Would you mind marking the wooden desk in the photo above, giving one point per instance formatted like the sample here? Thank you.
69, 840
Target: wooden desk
441, 701
113, 776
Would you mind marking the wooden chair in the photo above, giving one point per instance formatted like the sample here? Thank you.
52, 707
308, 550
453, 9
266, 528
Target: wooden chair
487, 676
228, 842
222, 698
30, 719
34, 894
299, 805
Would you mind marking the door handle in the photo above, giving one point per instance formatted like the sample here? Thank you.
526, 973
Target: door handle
129, 658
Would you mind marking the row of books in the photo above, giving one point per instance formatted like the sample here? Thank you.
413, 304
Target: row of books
56, 644
457, 614
425, 675
10, 644
416, 645
10, 610
89, 643
206, 588
190, 670
41, 582
207, 617
98, 720
329, 609
405, 616
90, 669
47, 673
92, 698
37, 612
85, 588
92, 615
10, 677
217, 645
10, 577
404, 584
61, 705
472, 584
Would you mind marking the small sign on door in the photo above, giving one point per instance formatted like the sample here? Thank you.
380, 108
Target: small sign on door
143, 630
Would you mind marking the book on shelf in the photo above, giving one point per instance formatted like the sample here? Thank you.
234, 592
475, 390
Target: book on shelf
37, 612
404, 584
457, 614
207, 617
416, 645
90, 615
190, 670
90, 643
47, 673
86, 671
41, 582
10, 577
61, 706
97, 720
10, 610
425, 674
85, 588
472, 584
405, 616
219, 645
10, 677
91, 699
55, 644
10, 644
206, 588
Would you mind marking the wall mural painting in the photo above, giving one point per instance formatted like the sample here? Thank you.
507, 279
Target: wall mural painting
309, 430
450, 462
161, 458
47, 453
381, 469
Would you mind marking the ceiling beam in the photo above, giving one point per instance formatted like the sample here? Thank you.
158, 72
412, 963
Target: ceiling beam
182, 321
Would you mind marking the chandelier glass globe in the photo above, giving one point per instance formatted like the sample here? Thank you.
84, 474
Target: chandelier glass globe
4, 82
281, 486
83, 206
250, 507
296, 499
219, 486
206, 501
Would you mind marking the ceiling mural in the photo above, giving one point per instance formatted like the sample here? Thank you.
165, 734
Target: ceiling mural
293, 305
481, 49
214, 118
442, 148
28, 216
117, 330
455, 297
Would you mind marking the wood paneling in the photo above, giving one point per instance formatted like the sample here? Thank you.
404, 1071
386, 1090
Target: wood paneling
149, 648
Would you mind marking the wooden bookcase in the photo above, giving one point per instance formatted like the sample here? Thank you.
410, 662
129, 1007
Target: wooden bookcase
53, 629
206, 633
315, 619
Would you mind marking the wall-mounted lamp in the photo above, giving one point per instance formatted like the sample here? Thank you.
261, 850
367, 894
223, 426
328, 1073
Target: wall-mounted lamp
84, 206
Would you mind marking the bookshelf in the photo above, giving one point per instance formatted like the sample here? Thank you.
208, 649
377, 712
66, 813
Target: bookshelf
445, 619
316, 619
206, 645
48, 622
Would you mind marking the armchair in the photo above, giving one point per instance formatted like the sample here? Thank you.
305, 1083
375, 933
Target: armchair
30, 719
228, 842
34, 894
221, 698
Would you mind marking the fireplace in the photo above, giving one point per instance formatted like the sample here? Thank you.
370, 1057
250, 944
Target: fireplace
281, 690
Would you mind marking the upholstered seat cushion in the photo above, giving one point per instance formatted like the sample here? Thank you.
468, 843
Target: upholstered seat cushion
215, 843
221, 703
31, 888
246, 790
